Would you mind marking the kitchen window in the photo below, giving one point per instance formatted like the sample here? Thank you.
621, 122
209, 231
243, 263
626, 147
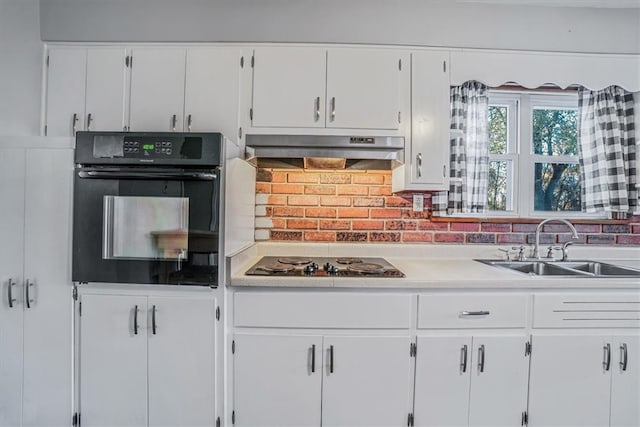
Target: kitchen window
533, 154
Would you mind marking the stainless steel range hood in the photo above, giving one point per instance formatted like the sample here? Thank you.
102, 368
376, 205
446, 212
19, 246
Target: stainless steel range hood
291, 149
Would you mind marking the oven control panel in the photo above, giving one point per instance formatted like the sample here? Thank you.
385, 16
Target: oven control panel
146, 149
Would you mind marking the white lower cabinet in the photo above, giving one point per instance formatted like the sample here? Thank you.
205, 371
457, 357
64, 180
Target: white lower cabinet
147, 360
311, 380
471, 380
593, 379
35, 281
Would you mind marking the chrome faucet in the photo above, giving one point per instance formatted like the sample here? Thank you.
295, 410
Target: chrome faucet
574, 233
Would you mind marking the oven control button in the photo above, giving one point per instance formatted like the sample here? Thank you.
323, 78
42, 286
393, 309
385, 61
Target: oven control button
168, 150
136, 149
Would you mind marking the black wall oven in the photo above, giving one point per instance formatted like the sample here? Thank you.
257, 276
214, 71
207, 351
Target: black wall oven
147, 208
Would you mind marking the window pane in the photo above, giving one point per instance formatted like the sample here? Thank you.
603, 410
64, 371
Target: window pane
555, 132
498, 192
498, 119
557, 187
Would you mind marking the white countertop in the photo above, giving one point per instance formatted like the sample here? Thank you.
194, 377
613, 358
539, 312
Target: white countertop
430, 267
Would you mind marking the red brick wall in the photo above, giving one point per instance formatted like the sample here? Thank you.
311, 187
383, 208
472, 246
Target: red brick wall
358, 206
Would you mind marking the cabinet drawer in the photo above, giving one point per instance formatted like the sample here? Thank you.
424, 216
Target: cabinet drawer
472, 311
321, 310
580, 310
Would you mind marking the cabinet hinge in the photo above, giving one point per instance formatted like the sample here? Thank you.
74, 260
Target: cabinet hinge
233, 417
75, 293
399, 64
218, 313
218, 422
240, 133
253, 61
525, 419
47, 60
527, 348
130, 61
242, 62
413, 349
399, 116
76, 420
410, 420
444, 66
251, 113
233, 347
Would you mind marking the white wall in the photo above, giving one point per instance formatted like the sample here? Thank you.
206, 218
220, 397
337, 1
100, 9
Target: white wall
413, 22
20, 67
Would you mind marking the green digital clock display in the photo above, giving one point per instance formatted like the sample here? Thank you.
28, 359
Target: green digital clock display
148, 146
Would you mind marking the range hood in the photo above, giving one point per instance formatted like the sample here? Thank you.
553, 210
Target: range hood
384, 151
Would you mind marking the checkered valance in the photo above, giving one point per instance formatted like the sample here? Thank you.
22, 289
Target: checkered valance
469, 159
607, 150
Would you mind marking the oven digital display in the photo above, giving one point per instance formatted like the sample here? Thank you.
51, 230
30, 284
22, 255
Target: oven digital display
148, 147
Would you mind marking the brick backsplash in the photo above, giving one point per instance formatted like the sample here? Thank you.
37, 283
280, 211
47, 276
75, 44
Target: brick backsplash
358, 206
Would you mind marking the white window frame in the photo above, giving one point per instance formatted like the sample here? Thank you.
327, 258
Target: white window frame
520, 197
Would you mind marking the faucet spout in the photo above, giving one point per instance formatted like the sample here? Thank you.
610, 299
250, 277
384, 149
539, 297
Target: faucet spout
574, 233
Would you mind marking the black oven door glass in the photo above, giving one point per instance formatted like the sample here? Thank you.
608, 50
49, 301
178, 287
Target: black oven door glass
148, 227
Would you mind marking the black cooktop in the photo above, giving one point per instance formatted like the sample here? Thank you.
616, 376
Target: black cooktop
301, 266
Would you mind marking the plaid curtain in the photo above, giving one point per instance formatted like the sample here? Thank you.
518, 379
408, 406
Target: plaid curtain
469, 161
607, 150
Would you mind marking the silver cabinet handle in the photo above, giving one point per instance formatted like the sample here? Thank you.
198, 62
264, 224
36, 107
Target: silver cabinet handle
135, 320
475, 313
74, 122
89, 120
313, 358
27, 293
623, 357
463, 358
154, 323
419, 165
188, 123
481, 358
174, 120
317, 109
333, 108
606, 362
331, 359
10, 297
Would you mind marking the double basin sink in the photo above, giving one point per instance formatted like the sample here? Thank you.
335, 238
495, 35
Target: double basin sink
565, 268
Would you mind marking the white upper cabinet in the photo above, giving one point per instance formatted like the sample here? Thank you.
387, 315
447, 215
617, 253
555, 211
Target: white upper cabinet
289, 87
427, 155
157, 89
212, 90
66, 80
337, 88
363, 88
106, 89
85, 89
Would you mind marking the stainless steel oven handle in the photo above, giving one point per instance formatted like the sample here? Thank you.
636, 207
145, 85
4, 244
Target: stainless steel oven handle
198, 176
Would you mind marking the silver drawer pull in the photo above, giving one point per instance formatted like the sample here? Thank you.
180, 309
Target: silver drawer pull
475, 313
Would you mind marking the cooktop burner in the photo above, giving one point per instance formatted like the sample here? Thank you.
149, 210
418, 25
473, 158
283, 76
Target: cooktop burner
323, 267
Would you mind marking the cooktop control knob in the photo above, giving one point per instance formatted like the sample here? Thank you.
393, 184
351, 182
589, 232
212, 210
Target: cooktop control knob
330, 268
311, 268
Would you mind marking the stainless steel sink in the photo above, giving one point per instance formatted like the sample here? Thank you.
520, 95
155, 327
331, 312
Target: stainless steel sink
565, 268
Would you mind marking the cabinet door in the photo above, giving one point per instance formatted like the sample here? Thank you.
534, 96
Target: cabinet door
289, 87
12, 169
363, 89
625, 388
47, 280
428, 161
106, 80
212, 90
443, 366
366, 381
66, 79
157, 89
569, 386
181, 361
113, 360
499, 381
277, 380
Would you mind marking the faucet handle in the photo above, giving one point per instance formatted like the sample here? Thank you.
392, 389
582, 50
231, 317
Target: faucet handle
507, 254
552, 248
520, 249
